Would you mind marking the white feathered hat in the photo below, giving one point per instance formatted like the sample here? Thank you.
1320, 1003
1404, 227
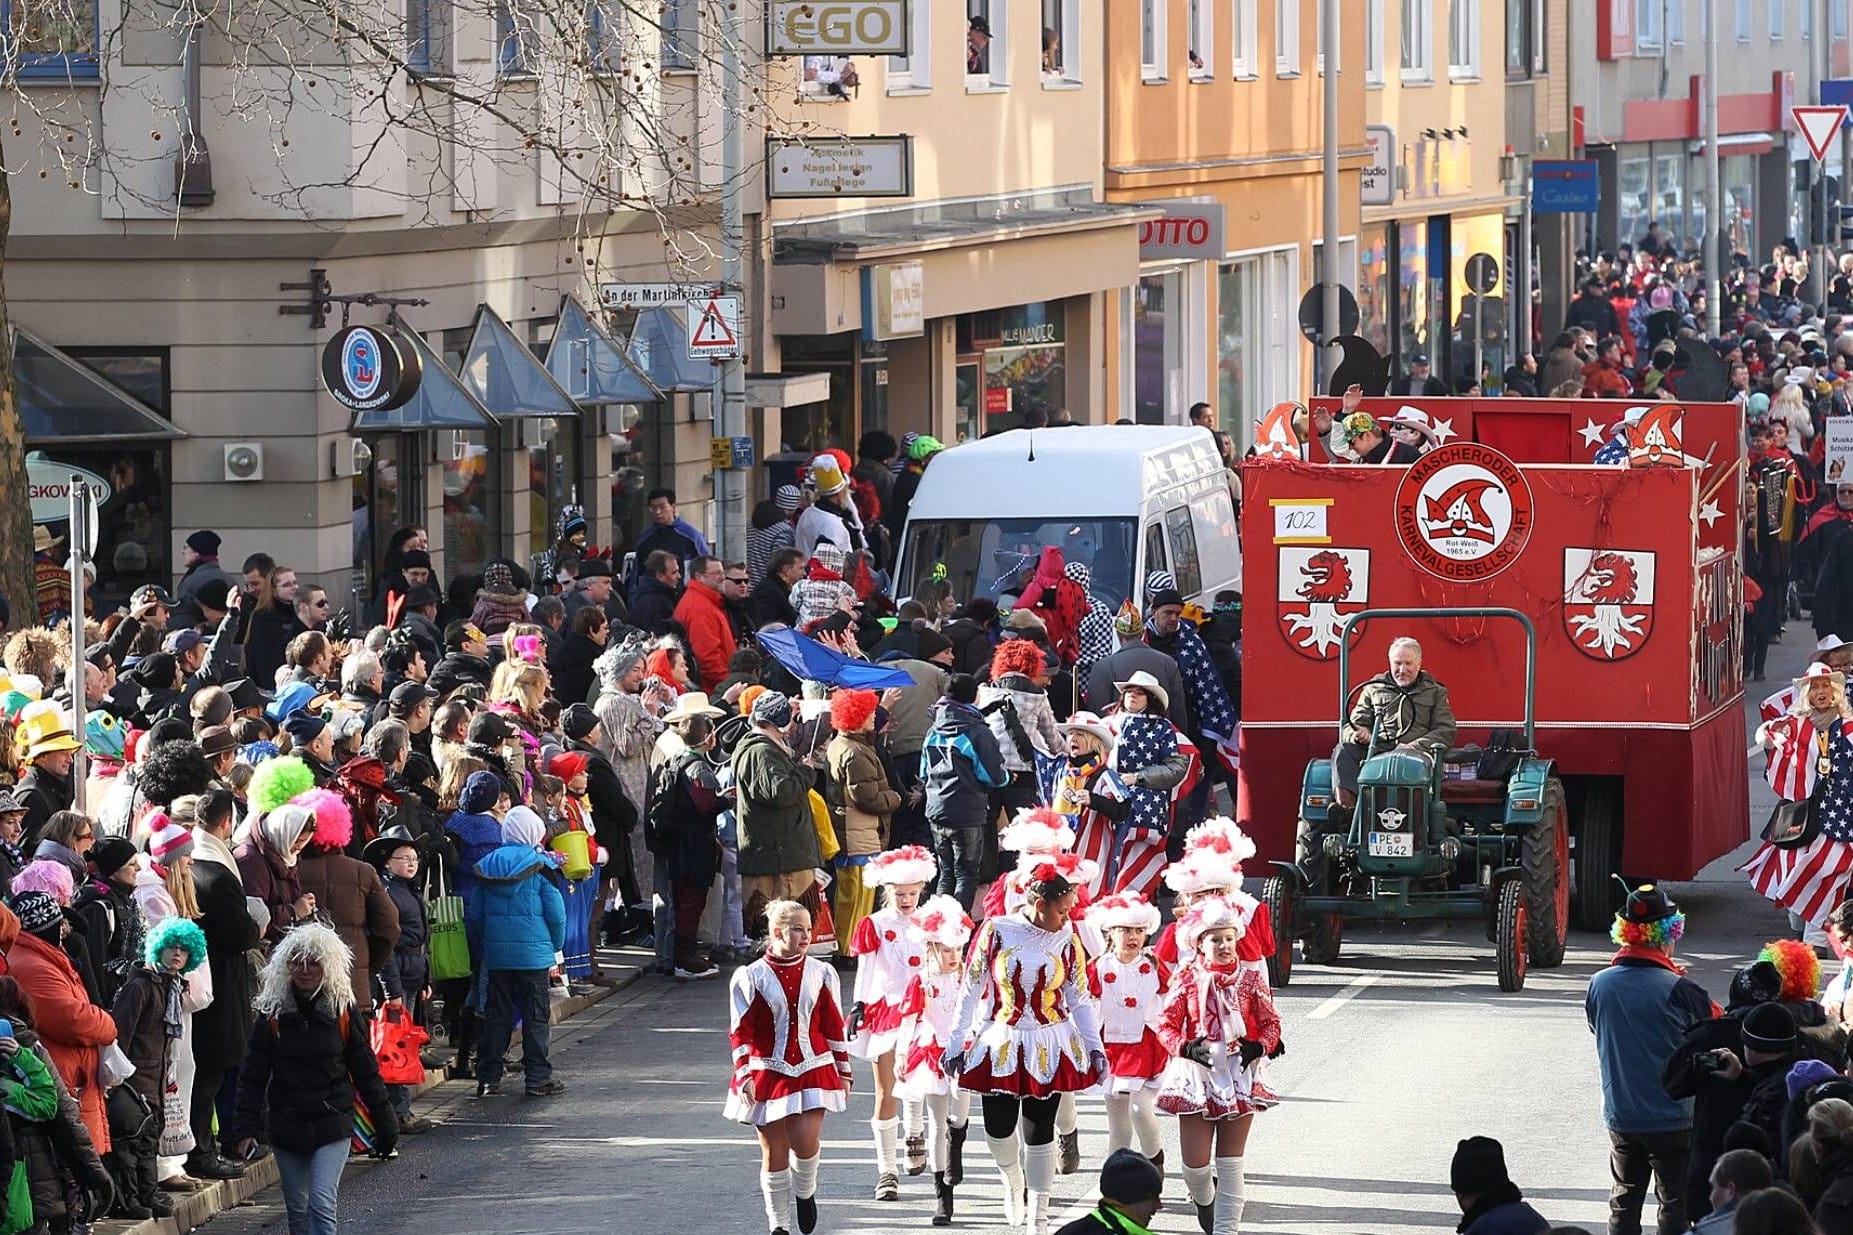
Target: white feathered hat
1201, 870
908, 864
1037, 829
1211, 914
1071, 867
1220, 835
1123, 909
942, 920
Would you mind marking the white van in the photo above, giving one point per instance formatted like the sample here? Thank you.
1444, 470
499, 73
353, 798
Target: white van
1125, 499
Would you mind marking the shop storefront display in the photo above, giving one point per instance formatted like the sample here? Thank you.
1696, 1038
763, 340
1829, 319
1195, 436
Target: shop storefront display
1021, 358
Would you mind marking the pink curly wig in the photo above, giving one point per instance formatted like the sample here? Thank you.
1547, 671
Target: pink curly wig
334, 821
1799, 966
45, 875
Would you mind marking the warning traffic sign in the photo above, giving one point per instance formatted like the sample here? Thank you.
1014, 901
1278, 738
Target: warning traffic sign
1818, 126
714, 328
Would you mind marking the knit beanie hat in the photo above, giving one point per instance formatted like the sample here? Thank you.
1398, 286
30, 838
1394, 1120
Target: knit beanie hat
479, 793
1769, 1028
168, 841
1479, 1167
787, 498
111, 854
38, 915
772, 708
929, 643
577, 721
499, 577
1808, 1072
1130, 1178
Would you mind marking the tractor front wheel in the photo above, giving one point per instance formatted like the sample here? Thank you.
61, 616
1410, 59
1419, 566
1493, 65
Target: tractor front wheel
1277, 897
1509, 929
1324, 933
1545, 855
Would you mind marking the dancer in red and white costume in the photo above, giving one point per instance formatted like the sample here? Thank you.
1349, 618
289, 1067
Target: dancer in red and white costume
887, 959
932, 1001
1220, 1022
1130, 983
1027, 1031
790, 1062
1214, 851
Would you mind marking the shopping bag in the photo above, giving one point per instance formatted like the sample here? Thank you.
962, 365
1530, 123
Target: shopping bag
450, 946
395, 1044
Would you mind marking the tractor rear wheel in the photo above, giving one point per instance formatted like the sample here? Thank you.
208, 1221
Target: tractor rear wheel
1598, 856
1545, 855
1277, 897
1509, 928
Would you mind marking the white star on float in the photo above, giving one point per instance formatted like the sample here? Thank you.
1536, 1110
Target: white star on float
1710, 513
1444, 429
1592, 432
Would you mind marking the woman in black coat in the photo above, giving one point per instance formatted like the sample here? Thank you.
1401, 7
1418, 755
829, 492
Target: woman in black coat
571, 661
221, 1029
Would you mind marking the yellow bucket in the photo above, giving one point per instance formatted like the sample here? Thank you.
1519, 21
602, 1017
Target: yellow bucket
577, 846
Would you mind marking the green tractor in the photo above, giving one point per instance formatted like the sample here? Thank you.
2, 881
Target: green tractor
1419, 845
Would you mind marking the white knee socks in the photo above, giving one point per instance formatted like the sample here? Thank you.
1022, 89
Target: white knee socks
775, 1187
938, 1133
1145, 1121
1119, 1122
804, 1175
1039, 1174
913, 1118
1067, 1118
1200, 1183
961, 1107
1231, 1196
887, 1146
1010, 1173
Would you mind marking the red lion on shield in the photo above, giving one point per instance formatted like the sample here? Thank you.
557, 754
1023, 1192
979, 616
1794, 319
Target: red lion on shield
1596, 615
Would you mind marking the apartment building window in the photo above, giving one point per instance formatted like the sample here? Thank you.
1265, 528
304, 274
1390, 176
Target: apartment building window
1837, 20
427, 37
1805, 27
1676, 22
1418, 41
913, 71
1373, 42
1319, 39
1464, 39
1201, 44
511, 32
1648, 32
1777, 20
681, 31
1061, 26
1244, 34
986, 25
1286, 38
602, 41
1519, 35
1742, 17
54, 39
1152, 39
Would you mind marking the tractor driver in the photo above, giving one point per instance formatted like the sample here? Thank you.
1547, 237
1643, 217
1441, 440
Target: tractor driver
1403, 709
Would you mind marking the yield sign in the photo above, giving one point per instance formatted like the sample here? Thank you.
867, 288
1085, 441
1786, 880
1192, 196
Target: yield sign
1818, 126
714, 328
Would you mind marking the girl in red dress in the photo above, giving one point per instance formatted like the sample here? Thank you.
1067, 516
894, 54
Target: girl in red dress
1219, 1021
932, 1000
790, 1062
888, 957
1032, 1029
1214, 851
1130, 983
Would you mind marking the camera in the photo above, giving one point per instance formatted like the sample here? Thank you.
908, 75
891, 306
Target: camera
1710, 1061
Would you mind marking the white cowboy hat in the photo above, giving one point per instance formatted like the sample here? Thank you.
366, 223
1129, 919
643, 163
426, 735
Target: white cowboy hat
1819, 672
694, 703
1411, 418
1830, 643
1088, 723
1147, 683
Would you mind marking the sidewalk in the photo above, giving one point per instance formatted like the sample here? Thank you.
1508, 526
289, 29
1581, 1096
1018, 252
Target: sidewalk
193, 1209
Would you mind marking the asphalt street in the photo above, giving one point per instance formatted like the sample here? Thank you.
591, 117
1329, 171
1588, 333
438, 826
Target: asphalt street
1396, 1052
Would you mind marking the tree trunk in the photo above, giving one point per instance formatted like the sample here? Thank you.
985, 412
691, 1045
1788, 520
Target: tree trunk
16, 573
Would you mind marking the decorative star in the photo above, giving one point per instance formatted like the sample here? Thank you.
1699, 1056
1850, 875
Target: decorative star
1444, 429
1710, 513
1592, 433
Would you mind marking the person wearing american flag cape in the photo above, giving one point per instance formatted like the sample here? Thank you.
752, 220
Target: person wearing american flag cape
1090, 796
1150, 761
1810, 754
1213, 725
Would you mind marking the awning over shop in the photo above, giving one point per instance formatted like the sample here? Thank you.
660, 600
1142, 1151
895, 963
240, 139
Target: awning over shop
592, 366
507, 378
442, 402
659, 347
62, 401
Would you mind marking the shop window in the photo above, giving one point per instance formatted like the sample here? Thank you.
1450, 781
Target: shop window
681, 31
639, 435
987, 55
1200, 43
1373, 42
1374, 291
1183, 537
1414, 296
142, 371
1157, 346
1242, 28
1464, 38
1417, 41
52, 39
1258, 341
1152, 14
134, 524
383, 502
1061, 32
818, 426
914, 70
1286, 38
428, 36
1022, 361
471, 503
553, 477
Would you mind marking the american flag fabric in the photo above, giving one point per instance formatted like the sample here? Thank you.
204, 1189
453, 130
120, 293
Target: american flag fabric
1143, 741
1613, 452
1210, 704
1811, 881
1777, 704
1792, 757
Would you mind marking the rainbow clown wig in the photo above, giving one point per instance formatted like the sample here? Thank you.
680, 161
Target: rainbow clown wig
1649, 919
1799, 966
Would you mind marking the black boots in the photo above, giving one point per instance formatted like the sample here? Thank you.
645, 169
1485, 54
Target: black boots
942, 1199
955, 1166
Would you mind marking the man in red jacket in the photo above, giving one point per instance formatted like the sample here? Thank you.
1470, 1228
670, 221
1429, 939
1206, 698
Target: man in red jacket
703, 614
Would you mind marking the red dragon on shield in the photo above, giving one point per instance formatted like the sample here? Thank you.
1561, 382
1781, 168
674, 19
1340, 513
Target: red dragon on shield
1331, 584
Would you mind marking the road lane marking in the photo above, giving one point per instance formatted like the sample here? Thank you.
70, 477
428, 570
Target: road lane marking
1351, 991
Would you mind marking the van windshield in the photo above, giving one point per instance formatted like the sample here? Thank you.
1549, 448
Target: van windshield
989, 557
